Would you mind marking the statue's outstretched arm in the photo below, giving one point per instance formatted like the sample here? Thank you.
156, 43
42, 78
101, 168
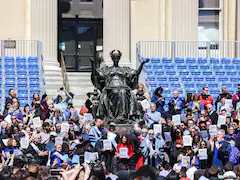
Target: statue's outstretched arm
138, 71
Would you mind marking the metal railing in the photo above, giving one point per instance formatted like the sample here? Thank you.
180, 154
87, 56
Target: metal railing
24, 48
173, 49
64, 73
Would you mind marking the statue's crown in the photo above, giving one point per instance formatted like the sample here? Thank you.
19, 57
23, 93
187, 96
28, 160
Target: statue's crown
115, 54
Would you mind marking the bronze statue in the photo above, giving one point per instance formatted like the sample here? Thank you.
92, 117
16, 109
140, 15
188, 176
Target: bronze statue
117, 102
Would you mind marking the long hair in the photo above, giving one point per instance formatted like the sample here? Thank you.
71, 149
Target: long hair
128, 143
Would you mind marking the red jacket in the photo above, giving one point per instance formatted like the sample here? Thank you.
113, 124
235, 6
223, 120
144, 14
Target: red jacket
130, 149
206, 101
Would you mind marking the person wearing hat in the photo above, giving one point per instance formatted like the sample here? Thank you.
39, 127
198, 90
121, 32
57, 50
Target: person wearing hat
45, 109
229, 175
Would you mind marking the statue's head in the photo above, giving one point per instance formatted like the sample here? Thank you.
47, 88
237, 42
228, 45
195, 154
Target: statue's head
116, 56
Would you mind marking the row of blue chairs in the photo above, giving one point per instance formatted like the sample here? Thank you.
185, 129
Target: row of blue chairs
154, 66
20, 59
190, 60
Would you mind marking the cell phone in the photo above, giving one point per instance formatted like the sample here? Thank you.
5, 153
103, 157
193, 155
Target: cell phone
61, 89
55, 172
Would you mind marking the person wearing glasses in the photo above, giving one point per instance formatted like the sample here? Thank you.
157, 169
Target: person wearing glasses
212, 114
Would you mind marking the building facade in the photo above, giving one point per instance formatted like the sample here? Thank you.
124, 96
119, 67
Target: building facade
116, 24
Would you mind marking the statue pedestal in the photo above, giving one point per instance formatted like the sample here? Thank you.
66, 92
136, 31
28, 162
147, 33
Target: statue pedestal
124, 128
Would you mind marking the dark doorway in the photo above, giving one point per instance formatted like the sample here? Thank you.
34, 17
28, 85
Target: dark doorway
79, 40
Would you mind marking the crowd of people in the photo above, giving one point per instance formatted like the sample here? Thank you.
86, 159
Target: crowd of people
193, 138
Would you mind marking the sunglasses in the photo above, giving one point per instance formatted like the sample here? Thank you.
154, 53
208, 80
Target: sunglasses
150, 134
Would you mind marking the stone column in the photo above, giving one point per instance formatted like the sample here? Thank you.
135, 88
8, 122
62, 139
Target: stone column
44, 26
116, 29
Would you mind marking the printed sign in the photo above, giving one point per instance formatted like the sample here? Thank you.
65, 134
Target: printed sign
88, 117
228, 102
202, 154
157, 128
185, 160
90, 156
58, 140
64, 127
123, 152
221, 120
176, 120
213, 130
107, 144
37, 122
8, 119
204, 134
24, 143
187, 140
145, 104
167, 136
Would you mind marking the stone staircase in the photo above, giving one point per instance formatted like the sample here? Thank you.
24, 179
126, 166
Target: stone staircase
53, 78
80, 84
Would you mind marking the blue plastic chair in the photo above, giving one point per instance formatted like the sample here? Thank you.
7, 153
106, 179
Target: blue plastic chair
193, 66
33, 78
183, 72
22, 78
168, 66
147, 71
166, 60
228, 85
186, 78
37, 84
146, 66
231, 72
222, 78
231, 90
10, 78
21, 72
22, 90
214, 60
22, 84
21, 59
175, 84
163, 84
214, 90
236, 60
167, 91
199, 90
210, 78
23, 103
204, 67
179, 60
195, 72
32, 65
151, 77
189, 84
10, 72
170, 72
181, 66
9, 84
34, 89
229, 66
21, 65
201, 84
159, 72
9, 65
234, 79
36, 71
225, 61
202, 60
213, 84
207, 72
152, 84
217, 67
155, 60
220, 72
191, 90
173, 78
167, 97
190, 60
198, 78
33, 59
161, 78
23, 96
180, 90
157, 66
9, 59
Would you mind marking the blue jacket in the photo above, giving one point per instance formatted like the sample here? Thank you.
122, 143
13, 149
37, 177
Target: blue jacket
216, 160
159, 104
235, 156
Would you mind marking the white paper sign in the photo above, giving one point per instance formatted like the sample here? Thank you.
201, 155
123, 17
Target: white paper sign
37, 122
221, 120
88, 117
204, 134
187, 140
202, 154
238, 106
145, 104
176, 120
167, 136
213, 130
90, 156
24, 143
228, 102
8, 119
5, 142
59, 140
157, 128
107, 144
185, 160
64, 127
123, 152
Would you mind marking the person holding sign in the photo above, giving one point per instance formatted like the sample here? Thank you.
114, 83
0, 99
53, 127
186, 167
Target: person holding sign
106, 151
152, 117
158, 100
125, 143
175, 105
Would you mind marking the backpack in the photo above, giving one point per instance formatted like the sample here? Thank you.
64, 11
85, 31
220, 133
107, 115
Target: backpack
223, 154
